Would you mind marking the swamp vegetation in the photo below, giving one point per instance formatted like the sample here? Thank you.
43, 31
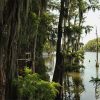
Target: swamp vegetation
30, 30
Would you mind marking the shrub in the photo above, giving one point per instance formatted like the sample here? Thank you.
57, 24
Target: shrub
32, 87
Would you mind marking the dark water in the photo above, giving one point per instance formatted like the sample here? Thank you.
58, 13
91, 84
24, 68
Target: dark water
77, 85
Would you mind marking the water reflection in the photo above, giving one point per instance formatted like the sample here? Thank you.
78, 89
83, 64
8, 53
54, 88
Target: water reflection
76, 85
96, 83
72, 81
50, 63
73, 86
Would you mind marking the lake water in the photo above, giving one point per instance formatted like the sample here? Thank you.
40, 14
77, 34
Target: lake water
90, 93
80, 87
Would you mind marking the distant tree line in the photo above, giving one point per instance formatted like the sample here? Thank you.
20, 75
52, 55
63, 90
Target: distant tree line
92, 45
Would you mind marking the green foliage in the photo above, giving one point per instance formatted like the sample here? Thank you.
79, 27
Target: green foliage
73, 67
28, 31
48, 47
41, 69
77, 29
31, 87
88, 28
95, 80
80, 55
73, 59
27, 71
94, 5
92, 45
44, 30
54, 5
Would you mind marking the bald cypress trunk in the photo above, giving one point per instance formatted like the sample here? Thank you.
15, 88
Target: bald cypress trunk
10, 11
97, 63
58, 73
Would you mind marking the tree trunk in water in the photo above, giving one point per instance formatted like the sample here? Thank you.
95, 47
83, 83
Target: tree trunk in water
97, 63
58, 73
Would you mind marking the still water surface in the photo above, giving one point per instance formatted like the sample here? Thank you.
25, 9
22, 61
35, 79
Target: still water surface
80, 88
90, 93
